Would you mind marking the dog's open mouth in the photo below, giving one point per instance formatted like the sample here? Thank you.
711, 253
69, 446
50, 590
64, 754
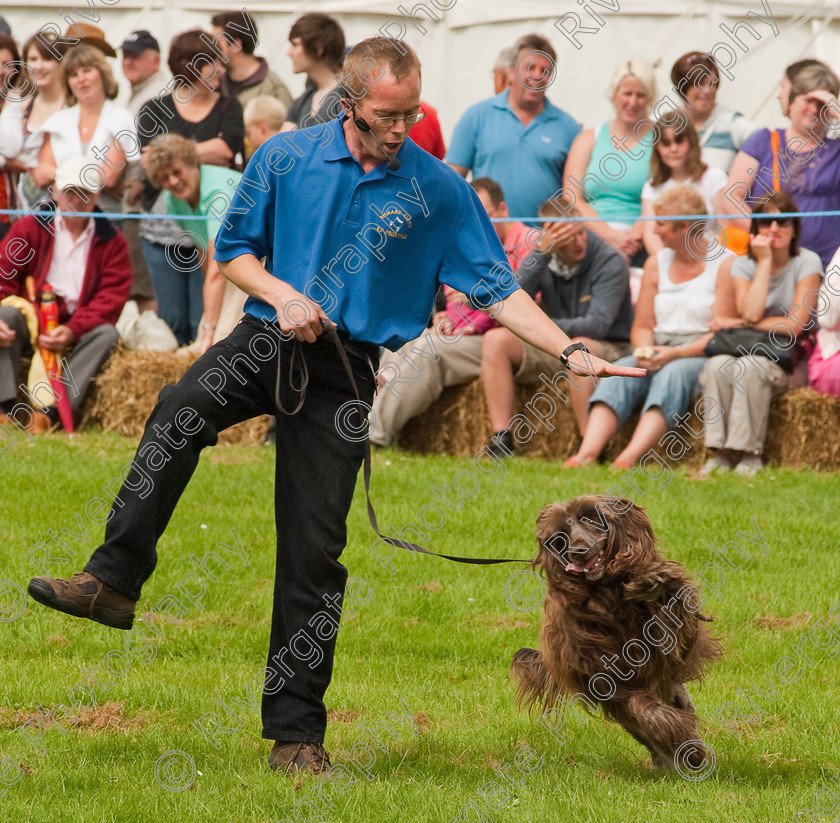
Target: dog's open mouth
590, 565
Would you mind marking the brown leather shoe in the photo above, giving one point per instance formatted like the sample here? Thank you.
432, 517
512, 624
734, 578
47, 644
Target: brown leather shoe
84, 595
300, 757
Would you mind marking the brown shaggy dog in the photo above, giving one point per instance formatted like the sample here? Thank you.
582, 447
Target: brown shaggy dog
620, 625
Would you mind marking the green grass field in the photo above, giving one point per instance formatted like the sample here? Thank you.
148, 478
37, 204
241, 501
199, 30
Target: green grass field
427, 655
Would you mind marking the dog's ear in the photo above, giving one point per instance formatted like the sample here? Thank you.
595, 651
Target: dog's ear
631, 542
549, 520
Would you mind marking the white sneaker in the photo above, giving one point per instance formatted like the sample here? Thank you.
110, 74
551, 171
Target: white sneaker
750, 464
715, 464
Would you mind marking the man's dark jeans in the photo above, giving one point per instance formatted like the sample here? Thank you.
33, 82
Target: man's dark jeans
315, 477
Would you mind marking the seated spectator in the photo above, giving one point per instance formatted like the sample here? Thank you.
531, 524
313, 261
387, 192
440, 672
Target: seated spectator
721, 130
609, 165
676, 160
93, 126
518, 137
245, 75
775, 287
824, 363
798, 159
317, 50
455, 341
84, 261
264, 117
196, 189
680, 296
427, 133
585, 288
21, 121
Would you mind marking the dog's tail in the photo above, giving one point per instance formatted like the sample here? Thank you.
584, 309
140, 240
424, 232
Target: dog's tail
534, 684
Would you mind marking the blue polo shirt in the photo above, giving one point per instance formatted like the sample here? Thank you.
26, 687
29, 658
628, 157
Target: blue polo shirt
371, 248
526, 161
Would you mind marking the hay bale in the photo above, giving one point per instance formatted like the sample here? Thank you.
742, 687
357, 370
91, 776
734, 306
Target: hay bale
124, 393
458, 423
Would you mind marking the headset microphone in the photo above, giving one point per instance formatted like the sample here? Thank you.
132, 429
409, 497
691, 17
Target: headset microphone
362, 125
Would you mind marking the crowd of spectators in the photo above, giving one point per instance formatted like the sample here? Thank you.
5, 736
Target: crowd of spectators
627, 283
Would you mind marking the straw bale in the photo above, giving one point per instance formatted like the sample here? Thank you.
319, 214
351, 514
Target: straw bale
804, 429
124, 393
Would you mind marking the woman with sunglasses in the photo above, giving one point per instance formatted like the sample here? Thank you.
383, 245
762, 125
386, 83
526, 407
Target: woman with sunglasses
775, 287
676, 160
799, 159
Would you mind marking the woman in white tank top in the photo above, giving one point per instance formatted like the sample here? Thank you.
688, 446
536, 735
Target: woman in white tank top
681, 293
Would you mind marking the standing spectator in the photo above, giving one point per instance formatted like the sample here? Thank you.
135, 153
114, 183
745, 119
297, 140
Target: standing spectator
93, 126
775, 287
681, 297
85, 262
722, 131
457, 357
9, 76
675, 161
141, 67
518, 138
264, 117
427, 133
316, 49
501, 69
21, 121
195, 189
597, 153
245, 75
797, 159
214, 123
585, 290
824, 363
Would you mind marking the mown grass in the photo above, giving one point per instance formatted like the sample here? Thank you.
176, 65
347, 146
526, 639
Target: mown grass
433, 641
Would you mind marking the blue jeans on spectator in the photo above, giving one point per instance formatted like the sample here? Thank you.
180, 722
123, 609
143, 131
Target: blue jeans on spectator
671, 389
179, 282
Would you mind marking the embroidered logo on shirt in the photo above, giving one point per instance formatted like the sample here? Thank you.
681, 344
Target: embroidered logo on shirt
545, 139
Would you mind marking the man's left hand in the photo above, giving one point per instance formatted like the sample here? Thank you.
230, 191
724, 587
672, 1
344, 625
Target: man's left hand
587, 364
58, 339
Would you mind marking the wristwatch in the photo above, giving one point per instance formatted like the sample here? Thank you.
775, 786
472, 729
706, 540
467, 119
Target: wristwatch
564, 355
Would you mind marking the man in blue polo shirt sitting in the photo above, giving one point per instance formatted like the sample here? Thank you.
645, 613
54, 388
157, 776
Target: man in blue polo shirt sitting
352, 243
518, 138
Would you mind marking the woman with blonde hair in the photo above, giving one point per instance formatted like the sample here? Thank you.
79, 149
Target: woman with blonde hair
681, 294
614, 161
92, 126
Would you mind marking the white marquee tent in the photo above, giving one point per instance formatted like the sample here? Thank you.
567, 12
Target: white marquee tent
459, 47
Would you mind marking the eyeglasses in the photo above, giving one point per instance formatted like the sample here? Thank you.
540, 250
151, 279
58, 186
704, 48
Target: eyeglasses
389, 122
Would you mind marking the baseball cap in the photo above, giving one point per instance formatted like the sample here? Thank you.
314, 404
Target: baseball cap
139, 41
69, 174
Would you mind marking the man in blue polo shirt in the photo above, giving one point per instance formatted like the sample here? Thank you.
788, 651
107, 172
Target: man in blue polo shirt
349, 241
518, 138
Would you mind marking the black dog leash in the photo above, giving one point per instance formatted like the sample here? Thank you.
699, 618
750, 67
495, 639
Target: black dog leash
329, 329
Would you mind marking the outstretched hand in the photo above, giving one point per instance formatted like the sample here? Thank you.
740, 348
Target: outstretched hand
585, 363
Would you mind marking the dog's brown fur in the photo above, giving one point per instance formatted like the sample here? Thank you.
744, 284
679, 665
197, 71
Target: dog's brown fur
594, 612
